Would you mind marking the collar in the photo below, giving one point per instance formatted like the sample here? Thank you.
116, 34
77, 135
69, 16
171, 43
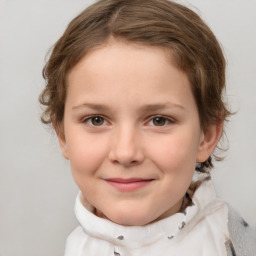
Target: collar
130, 236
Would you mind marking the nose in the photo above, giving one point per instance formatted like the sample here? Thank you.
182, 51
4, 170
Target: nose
126, 147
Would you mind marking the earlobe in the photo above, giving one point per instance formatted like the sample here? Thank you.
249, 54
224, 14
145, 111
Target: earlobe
62, 140
208, 141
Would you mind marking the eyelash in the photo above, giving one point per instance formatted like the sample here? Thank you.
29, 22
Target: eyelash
89, 120
166, 120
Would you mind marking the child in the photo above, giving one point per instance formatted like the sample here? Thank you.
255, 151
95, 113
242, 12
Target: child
134, 93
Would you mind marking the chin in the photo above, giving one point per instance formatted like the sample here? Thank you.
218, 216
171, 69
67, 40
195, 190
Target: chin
132, 219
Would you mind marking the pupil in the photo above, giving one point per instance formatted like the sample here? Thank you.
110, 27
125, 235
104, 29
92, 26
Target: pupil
159, 121
97, 120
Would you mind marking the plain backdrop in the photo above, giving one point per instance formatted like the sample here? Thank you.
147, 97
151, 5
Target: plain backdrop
37, 192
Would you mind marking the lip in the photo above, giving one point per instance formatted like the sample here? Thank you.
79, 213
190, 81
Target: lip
130, 184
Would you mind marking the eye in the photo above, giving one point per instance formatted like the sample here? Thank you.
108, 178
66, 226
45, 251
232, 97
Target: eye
95, 120
160, 121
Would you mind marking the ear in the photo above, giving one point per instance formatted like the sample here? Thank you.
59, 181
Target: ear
59, 129
208, 141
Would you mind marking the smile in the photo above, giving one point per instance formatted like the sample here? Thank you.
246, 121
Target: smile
128, 184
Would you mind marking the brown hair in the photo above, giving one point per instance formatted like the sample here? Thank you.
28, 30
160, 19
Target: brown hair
159, 23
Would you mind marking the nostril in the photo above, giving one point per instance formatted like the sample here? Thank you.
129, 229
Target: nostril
126, 160
126, 163
134, 162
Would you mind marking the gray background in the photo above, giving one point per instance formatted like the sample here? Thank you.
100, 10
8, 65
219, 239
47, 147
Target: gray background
37, 192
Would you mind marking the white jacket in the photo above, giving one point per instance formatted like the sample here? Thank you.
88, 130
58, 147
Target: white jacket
207, 228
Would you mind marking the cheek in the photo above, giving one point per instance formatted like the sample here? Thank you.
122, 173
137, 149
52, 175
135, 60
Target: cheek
86, 154
86, 157
175, 154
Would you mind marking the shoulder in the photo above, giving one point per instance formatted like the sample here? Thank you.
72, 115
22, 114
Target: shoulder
242, 236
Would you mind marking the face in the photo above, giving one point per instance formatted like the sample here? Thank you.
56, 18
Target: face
131, 132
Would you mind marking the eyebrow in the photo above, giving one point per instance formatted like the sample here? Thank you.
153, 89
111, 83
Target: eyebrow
155, 107
144, 108
98, 107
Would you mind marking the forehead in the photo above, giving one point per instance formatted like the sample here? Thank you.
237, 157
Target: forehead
124, 70
124, 55
126, 52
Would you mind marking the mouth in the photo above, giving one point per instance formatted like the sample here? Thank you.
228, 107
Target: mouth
128, 184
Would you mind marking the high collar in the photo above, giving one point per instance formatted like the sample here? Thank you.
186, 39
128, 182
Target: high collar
204, 202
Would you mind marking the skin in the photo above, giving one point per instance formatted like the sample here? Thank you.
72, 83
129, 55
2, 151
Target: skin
132, 132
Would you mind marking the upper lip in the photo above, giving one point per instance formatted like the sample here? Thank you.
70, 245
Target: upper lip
129, 180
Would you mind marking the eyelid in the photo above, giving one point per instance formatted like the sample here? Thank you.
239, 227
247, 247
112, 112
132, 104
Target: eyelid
169, 120
87, 118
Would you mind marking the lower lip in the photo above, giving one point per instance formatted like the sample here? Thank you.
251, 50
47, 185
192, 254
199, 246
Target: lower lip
129, 186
